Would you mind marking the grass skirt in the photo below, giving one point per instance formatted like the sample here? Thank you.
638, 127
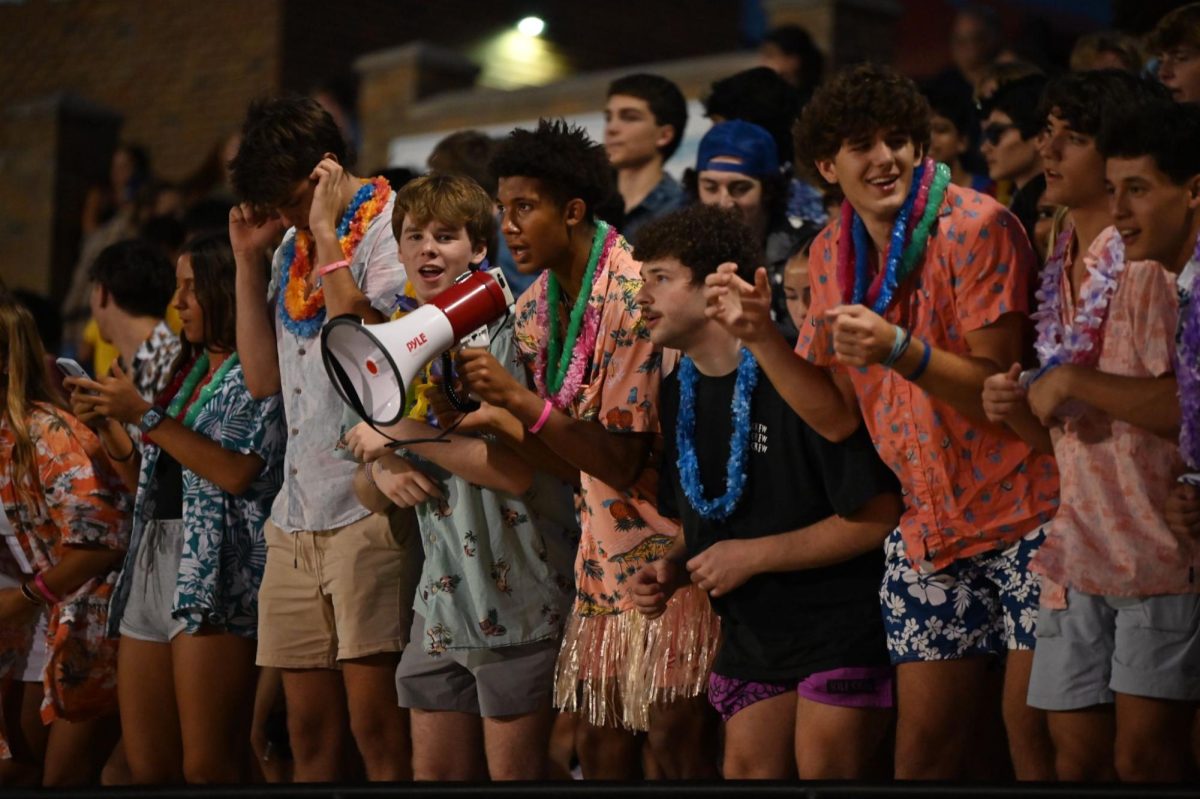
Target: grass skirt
612, 667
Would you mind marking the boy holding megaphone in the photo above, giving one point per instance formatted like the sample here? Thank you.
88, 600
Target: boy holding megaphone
499, 536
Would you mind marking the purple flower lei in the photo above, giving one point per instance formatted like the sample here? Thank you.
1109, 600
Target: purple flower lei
1080, 343
1187, 372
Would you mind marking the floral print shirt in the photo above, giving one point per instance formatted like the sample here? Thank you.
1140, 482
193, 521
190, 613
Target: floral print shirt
1110, 537
968, 488
151, 370
497, 566
79, 502
621, 530
224, 552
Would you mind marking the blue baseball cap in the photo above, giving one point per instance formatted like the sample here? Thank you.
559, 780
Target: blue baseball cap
750, 144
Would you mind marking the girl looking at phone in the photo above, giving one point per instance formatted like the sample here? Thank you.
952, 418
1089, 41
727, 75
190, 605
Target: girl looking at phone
186, 604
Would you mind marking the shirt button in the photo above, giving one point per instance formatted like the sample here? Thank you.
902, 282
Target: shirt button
297, 390
302, 350
295, 431
294, 470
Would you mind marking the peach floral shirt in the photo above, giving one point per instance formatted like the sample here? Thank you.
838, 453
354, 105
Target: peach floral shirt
1110, 537
621, 530
968, 488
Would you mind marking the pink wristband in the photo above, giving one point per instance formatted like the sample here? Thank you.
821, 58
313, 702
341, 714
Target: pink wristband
327, 268
39, 582
541, 422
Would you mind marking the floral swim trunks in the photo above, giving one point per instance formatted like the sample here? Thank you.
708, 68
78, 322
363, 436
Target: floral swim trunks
981, 605
866, 686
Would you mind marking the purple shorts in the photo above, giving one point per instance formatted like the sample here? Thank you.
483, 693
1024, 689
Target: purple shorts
854, 686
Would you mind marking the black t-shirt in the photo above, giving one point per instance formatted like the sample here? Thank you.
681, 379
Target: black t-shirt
168, 488
781, 625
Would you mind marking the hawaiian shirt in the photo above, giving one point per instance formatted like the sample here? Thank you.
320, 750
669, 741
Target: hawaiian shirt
318, 490
621, 530
151, 370
1110, 537
224, 552
497, 566
968, 487
77, 501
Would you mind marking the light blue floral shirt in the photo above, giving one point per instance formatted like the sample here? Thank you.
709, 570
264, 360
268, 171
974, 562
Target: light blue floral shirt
224, 552
498, 567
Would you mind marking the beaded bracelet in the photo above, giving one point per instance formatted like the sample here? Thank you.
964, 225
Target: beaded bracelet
920, 370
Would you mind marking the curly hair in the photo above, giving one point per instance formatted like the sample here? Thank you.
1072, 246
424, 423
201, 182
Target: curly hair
568, 163
701, 237
283, 139
854, 106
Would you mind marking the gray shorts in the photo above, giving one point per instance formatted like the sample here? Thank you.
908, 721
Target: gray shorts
506, 681
1098, 645
152, 590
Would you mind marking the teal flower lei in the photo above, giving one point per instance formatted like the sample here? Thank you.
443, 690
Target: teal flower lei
722, 507
206, 392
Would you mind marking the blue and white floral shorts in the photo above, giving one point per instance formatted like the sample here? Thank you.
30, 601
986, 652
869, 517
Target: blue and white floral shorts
981, 605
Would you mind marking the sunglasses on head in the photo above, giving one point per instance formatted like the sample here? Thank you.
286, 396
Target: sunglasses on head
994, 132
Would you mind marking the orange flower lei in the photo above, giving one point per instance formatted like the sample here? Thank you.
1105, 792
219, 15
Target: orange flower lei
301, 299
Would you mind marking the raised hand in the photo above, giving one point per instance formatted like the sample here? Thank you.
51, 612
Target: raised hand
326, 207
251, 233
744, 310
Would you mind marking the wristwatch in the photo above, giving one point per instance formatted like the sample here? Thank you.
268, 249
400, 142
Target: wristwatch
151, 419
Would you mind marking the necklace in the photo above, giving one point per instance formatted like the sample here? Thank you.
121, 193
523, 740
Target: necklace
720, 508
910, 235
301, 302
560, 366
1080, 343
191, 384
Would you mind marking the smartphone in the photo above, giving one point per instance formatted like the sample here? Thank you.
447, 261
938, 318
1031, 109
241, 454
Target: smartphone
70, 367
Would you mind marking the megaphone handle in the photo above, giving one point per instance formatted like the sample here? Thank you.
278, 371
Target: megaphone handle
460, 404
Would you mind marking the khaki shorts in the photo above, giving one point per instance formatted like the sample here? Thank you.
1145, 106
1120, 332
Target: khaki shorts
341, 594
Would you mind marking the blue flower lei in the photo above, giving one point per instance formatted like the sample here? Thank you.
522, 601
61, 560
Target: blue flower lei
862, 279
720, 508
307, 328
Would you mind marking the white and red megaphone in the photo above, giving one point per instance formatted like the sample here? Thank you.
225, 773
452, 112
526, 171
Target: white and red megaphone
371, 365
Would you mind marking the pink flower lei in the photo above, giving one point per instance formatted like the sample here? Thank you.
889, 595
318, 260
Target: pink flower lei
584, 346
1080, 343
1187, 372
